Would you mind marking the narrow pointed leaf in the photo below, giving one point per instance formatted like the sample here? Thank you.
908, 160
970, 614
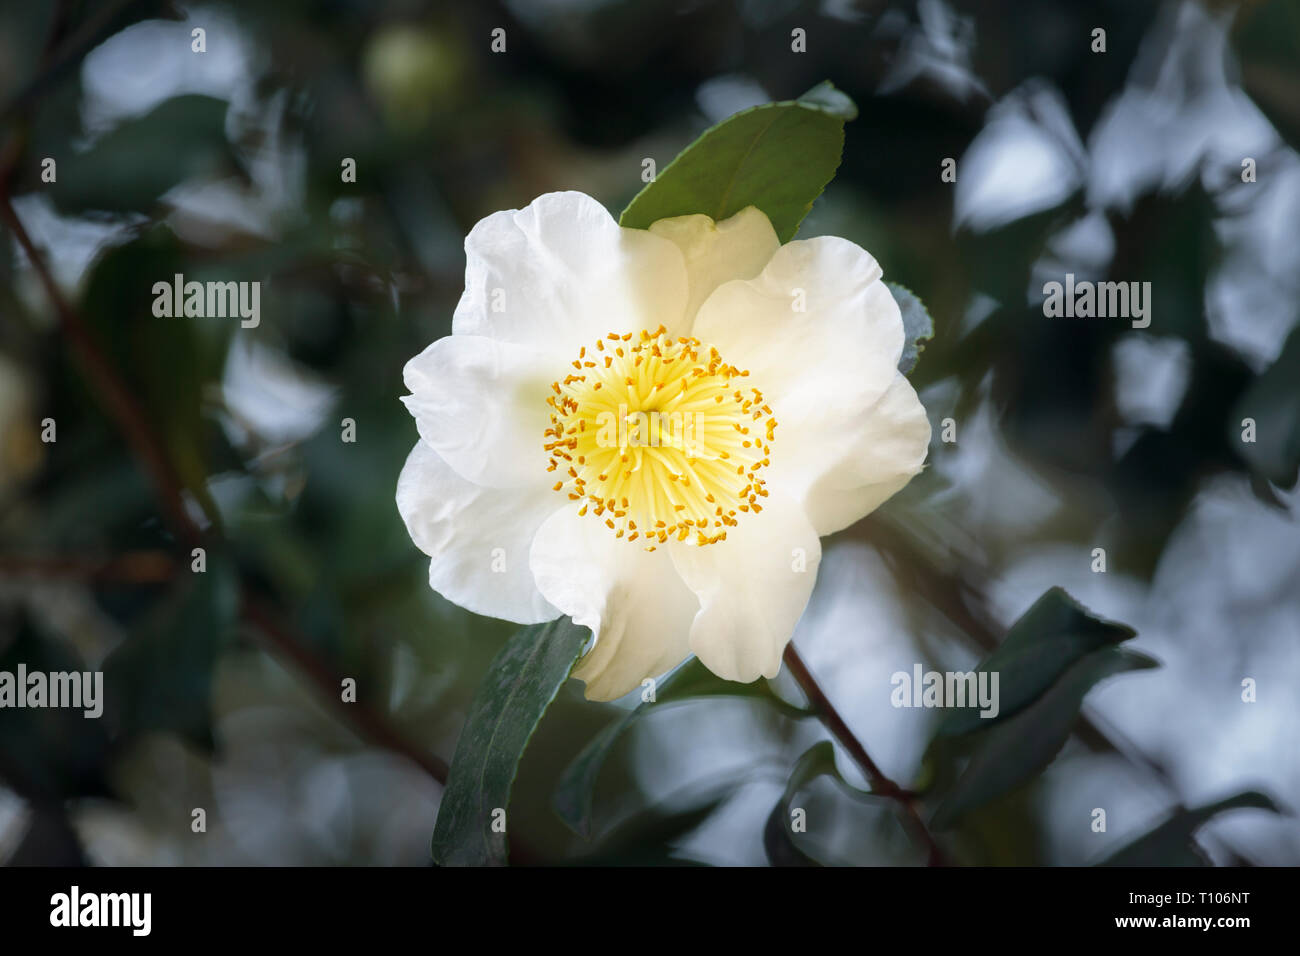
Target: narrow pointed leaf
1171, 843
1047, 639
1020, 747
521, 683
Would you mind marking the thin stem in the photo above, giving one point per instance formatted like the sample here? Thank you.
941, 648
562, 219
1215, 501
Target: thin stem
365, 721
131, 419
120, 404
133, 567
880, 783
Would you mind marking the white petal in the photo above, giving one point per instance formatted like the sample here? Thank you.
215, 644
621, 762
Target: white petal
561, 273
846, 340
481, 405
752, 589
851, 430
633, 601
846, 465
478, 538
735, 248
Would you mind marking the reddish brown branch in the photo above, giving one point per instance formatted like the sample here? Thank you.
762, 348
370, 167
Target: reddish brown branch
118, 401
880, 783
285, 643
134, 567
130, 418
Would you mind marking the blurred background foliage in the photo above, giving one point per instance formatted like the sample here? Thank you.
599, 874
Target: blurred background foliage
1072, 434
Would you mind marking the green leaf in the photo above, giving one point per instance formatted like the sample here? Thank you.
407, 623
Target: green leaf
648, 837
1268, 40
161, 678
574, 793
167, 362
918, 327
1273, 403
131, 166
778, 841
521, 683
1017, 749
49, 754
778, 157
1047, 639
1172, 843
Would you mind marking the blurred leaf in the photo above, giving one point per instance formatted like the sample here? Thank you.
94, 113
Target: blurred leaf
778, 157
50, 840
163, 360
161, 678
49, 754
23, 29
1268, 40
1024, 39
574, 792
521, 683
826, 97
1172, 843
131, 166
647, 838
1047, 639
918, 327
1000, 260
1017, 749
778, 840
1273, 401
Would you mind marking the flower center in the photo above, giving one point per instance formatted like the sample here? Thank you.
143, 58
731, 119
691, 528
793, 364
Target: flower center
656, 436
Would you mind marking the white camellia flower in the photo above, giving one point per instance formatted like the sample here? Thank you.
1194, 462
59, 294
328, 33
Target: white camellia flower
599, 434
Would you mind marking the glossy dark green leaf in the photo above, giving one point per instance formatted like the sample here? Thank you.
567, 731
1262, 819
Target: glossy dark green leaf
520, 684
161, 678
1047, 639
1018, 748
918, 327
573, 794
778, 157
1172, 843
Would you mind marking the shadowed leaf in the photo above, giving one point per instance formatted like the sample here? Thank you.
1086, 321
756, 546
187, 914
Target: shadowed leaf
520, 684
1017, 749
1171, 843
573, 795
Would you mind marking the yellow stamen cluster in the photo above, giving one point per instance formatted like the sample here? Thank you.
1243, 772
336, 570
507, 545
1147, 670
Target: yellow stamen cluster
657, 437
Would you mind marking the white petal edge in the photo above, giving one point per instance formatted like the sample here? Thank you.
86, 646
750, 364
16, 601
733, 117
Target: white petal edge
817, 322
849, 463
478, 539
481, 404
633, 600
717, 252
561, 273
752, 589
